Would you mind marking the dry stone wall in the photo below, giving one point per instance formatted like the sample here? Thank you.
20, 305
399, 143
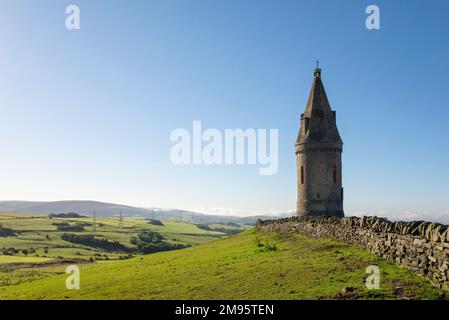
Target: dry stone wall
420, 246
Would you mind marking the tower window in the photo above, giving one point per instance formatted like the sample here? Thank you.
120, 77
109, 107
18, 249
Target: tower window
334, 173
302, 175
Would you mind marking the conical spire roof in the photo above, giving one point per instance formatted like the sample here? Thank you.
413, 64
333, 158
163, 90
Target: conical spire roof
317, 104
318, 122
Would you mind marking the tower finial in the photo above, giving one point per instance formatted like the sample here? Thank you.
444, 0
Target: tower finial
317, 71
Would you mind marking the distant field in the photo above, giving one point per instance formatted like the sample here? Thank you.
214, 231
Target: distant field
250, 265
37, 240
14, 259
39, 235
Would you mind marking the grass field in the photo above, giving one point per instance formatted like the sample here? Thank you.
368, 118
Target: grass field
251, 265
15, 259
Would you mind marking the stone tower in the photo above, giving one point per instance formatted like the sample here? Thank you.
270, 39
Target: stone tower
318, 157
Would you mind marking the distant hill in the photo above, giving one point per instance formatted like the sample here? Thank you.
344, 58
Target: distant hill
103, 209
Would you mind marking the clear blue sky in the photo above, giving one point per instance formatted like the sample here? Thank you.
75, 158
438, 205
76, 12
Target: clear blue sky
87, 114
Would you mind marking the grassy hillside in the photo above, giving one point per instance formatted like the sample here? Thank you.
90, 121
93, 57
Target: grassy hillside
251, 265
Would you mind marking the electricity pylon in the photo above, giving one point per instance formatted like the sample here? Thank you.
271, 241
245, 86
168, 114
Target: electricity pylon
120, 221
94, 226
